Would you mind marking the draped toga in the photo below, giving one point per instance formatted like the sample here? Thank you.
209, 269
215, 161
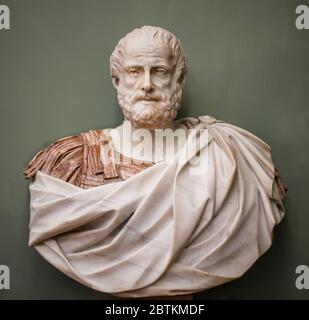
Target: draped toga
140, 229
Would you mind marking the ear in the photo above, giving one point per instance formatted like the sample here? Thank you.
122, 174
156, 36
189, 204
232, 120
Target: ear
115, 81
182, 80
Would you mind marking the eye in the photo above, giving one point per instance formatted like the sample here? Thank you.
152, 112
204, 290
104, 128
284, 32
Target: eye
160, 72
133, 72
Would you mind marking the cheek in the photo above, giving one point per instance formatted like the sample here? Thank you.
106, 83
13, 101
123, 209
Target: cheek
163, 83
130, 82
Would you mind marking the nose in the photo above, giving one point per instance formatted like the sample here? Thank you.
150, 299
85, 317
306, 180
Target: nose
147, 84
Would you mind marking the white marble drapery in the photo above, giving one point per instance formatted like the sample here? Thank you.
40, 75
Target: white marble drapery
163, 231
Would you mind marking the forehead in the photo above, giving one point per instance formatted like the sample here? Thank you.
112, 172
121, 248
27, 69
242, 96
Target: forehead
143, 50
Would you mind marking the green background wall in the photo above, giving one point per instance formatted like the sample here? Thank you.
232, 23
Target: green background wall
249, 66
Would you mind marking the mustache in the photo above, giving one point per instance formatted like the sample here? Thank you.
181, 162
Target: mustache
143, 97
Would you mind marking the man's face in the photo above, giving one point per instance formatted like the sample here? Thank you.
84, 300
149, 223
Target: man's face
148, 92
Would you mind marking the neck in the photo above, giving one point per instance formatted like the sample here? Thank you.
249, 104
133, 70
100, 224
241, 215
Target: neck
127, 139
152, 129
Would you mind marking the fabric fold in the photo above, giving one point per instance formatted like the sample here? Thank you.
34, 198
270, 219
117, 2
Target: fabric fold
164, 231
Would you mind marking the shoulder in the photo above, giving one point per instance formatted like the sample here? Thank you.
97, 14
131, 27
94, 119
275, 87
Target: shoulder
64, 158
245, 148
59, 159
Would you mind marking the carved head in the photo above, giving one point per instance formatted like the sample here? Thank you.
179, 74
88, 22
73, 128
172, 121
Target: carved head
149, 68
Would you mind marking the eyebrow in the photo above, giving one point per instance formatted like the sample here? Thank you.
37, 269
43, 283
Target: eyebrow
161, 66
133, 66
141, 67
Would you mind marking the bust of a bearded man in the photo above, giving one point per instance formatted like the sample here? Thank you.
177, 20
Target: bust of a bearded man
142, 224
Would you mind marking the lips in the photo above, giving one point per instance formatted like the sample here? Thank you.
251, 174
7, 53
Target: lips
148, 99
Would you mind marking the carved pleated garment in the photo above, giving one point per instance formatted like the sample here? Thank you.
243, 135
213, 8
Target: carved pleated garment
164, 230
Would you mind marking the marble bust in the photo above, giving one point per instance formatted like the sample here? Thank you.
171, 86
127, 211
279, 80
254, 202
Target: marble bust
123, 218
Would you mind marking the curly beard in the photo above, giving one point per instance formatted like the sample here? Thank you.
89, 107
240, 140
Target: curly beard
153, 114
